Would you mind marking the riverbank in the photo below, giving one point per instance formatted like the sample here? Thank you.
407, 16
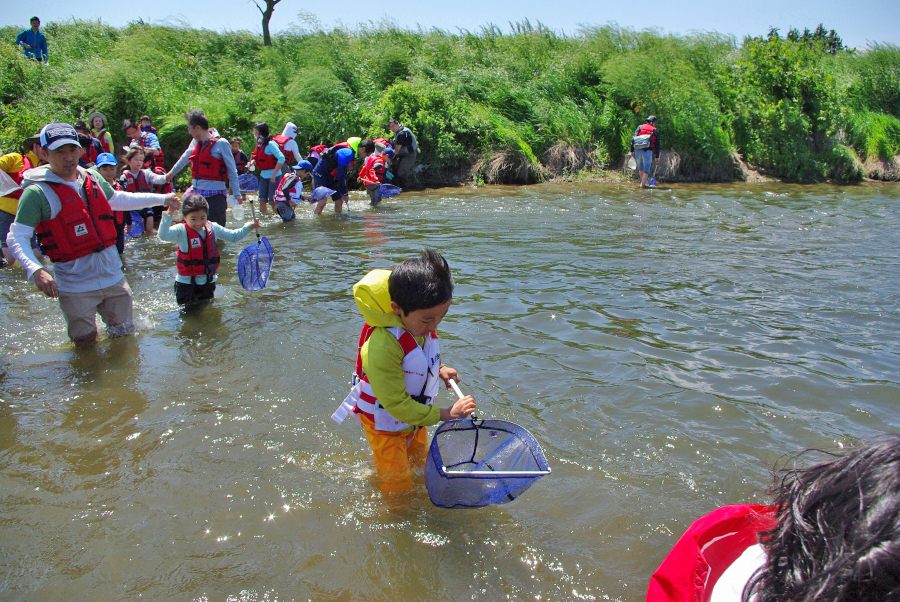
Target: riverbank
572, 164
487, 106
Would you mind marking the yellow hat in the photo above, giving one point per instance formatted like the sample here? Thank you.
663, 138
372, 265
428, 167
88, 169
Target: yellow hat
354, 144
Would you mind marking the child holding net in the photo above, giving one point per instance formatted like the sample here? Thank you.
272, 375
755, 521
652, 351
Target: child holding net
398, 365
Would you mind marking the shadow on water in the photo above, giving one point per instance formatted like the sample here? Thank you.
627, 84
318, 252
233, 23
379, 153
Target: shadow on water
665, 347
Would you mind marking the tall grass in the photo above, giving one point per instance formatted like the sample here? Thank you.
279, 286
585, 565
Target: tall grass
477, 98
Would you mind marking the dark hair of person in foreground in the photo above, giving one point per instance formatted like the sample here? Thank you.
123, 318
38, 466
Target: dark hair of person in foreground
837, 535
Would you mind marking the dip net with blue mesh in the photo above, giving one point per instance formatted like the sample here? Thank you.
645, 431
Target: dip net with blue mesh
473, 463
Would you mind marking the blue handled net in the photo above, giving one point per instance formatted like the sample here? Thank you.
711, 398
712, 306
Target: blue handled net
254, 265
248, 182
387, 190
473, 463
137, 226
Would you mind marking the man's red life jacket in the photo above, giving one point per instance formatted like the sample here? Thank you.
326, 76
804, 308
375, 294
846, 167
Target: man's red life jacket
202, 257
204, 166
262, 159
78, 229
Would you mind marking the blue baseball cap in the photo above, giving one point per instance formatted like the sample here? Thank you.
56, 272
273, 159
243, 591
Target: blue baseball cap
54, 135
304, 165
106, 159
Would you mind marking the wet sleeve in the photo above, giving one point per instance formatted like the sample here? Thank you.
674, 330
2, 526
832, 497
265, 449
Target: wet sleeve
382, 360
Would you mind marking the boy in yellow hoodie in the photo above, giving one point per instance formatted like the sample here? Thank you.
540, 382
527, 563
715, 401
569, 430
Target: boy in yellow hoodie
398, 365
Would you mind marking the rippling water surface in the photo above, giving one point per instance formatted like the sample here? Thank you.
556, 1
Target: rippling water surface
665, 348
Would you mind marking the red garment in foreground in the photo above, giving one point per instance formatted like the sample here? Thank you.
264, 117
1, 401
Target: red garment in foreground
708, 547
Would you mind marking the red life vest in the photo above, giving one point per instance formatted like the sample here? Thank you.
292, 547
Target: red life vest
135, 183
282, 141
240, 161
262, 159
162, 188
204, 166
708, 547
373, 171
90, 151
202, 257
78, 229
151, 161
101, 136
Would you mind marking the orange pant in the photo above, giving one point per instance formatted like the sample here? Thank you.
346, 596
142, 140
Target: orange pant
395, 454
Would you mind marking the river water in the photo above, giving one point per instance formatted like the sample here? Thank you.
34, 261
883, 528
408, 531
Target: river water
666, 348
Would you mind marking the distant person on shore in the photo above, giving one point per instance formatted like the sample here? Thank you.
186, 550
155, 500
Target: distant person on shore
33, 42
153, 153
398, 365
268, 159
406, 151
212, 166
331, 172
645, 148
831, 534
197, 257
15, 165
98, 123
72, 213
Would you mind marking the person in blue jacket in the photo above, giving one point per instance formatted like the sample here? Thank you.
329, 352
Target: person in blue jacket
33, 41
331, 171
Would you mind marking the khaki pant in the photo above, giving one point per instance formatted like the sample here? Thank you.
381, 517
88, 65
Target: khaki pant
395, 453
113, 303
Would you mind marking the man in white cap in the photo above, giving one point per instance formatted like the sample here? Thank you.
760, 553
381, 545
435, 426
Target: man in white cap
71, 210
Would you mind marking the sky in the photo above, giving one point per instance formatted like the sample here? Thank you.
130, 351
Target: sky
858, 24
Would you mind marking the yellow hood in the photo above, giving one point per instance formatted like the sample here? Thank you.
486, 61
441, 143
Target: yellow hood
374, 300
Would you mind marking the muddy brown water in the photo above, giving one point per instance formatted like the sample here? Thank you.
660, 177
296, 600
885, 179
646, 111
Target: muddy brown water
665, 347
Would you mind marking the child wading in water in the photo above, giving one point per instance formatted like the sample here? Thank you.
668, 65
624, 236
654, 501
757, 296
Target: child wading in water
197, 255
398, 365
136, 178
289, 193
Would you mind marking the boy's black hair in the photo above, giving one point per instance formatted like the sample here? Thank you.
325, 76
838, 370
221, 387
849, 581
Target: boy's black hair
196, 117
80, 125
84, 140
369, 145
837, 532
194, 202
128, 124
421, 283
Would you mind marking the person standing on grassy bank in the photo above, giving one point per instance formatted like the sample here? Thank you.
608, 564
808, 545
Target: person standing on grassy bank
406, 150
212, 164
71, 210
645, 148
33, 41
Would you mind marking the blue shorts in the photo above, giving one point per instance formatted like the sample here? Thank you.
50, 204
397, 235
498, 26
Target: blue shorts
267, 190
644, 159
